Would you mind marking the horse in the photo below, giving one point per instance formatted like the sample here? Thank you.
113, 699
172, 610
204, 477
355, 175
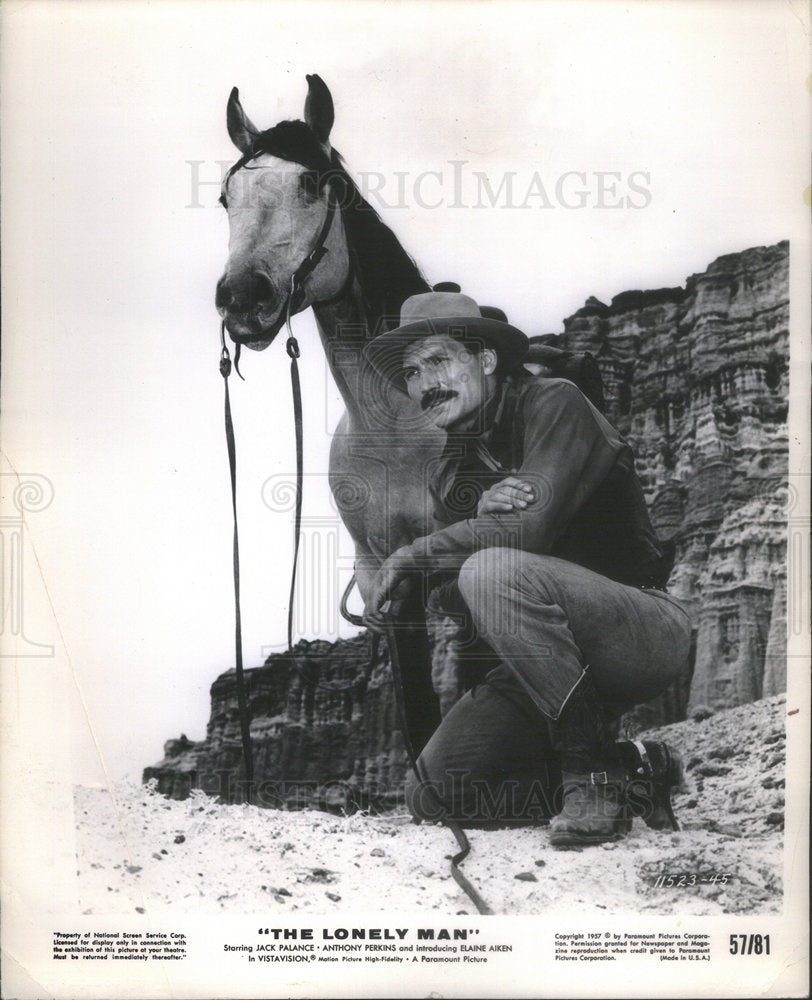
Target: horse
302, 236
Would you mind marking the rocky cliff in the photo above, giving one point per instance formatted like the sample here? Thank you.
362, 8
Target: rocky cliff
696, 378
324, 733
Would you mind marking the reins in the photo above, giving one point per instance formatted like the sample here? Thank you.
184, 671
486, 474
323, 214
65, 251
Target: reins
459, 834
242, 701
388, 629
292, 347
302, 271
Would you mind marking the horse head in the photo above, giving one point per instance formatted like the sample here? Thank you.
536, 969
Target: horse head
287, 248
302, 234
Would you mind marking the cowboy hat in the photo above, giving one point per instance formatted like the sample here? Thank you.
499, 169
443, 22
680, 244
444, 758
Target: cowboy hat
449, 314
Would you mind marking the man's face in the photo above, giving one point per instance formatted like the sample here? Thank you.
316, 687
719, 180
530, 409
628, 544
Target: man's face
449, 382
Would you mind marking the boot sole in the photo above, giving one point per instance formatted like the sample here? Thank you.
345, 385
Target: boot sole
573, 839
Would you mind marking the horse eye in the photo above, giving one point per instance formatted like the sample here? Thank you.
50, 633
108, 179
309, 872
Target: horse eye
309, 183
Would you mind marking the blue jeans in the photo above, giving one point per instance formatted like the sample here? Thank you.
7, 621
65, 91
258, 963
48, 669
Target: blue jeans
548, 621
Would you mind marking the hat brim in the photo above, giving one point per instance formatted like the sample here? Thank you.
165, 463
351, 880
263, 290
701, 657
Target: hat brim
385, 352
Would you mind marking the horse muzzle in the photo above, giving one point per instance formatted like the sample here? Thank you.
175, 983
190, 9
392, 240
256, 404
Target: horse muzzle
253, 313
255, 326
253, 333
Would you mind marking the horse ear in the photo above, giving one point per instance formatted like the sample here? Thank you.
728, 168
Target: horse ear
240, 127
319, 111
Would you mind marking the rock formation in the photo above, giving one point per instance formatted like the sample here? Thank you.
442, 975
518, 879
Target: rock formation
696, 378
324, 732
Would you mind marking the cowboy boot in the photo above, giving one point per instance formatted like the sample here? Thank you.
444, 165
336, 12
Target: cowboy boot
593, 777
654, 770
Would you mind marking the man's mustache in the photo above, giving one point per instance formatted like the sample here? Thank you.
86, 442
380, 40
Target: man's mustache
434, 396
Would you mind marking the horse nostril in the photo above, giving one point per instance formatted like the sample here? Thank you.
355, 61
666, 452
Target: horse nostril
260, 289
223, 296
244, 292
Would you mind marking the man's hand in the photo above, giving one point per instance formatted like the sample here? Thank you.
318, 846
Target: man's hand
389, 578
506, 496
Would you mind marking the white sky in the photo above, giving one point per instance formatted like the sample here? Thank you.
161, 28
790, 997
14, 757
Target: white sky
111, 388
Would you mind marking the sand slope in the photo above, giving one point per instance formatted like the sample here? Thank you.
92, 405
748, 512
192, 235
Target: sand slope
139, 852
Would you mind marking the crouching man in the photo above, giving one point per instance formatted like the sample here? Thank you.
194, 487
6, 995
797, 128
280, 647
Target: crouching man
546, 525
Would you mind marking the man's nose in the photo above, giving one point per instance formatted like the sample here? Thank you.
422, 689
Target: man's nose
429, 389
429, 380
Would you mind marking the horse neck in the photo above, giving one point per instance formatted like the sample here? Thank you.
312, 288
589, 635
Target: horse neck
344, 327
347, 322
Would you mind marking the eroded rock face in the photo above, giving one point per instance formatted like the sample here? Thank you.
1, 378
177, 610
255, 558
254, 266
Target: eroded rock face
324, 733
696, 378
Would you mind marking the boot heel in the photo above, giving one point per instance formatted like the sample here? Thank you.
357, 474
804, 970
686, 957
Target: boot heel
655, 771
663, 816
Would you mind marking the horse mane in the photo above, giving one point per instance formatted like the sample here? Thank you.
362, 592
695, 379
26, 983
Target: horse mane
386, 272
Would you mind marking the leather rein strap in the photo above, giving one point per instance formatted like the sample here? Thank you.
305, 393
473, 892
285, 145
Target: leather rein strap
307, 266
242, 701
292, 347
390, 628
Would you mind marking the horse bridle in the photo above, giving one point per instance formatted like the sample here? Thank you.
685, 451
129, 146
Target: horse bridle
295, 290
305, 268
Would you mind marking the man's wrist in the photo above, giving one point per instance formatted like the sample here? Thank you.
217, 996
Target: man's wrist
406, 559
415, 555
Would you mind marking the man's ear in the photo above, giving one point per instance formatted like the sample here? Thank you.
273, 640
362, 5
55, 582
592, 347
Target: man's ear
489, 360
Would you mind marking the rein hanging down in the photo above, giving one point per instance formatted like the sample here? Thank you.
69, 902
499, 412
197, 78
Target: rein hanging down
307, 266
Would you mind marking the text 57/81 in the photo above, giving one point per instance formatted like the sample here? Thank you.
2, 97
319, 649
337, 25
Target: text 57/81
749, 944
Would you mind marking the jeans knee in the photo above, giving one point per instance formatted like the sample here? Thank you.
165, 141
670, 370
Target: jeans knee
484, 573
499, 581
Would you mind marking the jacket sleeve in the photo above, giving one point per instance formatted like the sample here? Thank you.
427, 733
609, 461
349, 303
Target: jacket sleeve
568, 449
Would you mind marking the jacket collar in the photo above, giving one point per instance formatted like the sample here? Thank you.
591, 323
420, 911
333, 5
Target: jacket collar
493, 436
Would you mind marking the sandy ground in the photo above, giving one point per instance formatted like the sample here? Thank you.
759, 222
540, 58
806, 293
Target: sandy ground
138, 852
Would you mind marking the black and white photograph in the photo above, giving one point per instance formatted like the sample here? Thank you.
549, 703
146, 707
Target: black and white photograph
405, 498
